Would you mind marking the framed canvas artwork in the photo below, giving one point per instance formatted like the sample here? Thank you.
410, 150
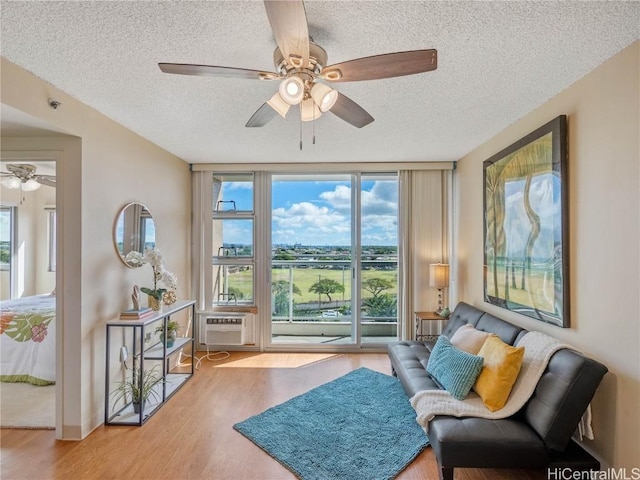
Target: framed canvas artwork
526, 261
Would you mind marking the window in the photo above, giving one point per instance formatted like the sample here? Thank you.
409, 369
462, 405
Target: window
7, 246
318, 252
233, 239
379, 256
6, 234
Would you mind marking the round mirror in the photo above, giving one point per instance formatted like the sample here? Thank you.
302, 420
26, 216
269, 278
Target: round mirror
134, 231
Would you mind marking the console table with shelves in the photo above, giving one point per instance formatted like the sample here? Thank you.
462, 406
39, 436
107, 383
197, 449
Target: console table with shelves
147, 349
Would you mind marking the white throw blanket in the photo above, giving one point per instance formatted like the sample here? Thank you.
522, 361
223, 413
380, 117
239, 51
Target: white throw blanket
538, 349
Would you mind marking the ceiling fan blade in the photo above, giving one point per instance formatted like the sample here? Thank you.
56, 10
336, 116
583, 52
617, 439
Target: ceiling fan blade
351, 112
262, 116
47, 180
382, 66
289, 25
215, 71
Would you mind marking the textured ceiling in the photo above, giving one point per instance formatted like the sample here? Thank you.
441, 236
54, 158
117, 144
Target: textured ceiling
497, 62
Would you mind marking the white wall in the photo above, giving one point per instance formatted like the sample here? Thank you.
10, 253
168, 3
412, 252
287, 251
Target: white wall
604, 216
104, 166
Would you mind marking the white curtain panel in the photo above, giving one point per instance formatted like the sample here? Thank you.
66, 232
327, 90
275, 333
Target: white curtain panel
424, 239
201, 227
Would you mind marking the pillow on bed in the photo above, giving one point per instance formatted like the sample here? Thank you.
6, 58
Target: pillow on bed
502, 364
469, 339
452, 368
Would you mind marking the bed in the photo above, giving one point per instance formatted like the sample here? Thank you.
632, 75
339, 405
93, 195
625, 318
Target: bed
28, 340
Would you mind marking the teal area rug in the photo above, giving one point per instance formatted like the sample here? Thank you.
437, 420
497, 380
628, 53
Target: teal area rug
359, 426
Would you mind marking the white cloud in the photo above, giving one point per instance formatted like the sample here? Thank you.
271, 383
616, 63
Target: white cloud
327, 219
310, 224
339, 198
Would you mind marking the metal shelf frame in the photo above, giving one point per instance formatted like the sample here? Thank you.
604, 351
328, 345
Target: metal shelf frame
159, 351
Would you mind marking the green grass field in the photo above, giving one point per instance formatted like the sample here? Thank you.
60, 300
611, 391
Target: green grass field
303, 278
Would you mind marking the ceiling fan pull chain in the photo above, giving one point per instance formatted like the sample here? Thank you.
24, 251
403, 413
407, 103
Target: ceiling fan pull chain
301, 127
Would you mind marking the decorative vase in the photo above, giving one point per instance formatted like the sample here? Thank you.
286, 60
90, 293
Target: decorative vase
171, 338
154, 303
169, 297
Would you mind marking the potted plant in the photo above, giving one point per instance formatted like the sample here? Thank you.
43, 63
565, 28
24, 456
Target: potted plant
172, 332
138, 391
160, 275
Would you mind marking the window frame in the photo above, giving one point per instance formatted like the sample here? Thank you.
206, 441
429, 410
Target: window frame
224, 260
13, 236
52, 229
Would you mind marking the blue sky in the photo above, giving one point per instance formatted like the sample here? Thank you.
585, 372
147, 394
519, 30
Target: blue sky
544, 197
319, 212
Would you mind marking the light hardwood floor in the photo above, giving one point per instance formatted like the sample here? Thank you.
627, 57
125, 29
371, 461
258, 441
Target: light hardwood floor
192, 437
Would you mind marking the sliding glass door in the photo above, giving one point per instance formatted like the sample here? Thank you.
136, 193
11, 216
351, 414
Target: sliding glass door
333, 259
379, 257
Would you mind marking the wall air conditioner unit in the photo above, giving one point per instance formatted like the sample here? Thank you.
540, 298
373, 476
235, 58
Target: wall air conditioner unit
224, 329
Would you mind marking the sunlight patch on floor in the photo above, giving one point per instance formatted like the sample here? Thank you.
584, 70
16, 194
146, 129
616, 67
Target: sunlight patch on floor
277, 360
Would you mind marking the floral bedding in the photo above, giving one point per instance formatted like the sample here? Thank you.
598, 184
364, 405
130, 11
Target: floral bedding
27, 340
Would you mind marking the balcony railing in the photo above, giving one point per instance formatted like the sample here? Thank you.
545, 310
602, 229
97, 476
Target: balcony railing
293, 302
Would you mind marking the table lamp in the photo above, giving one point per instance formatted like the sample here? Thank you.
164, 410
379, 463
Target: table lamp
439, 278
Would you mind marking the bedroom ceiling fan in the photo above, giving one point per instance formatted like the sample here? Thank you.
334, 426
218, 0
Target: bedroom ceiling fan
301, 68
23, 176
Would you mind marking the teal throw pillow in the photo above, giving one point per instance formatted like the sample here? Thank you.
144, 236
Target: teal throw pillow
452, 368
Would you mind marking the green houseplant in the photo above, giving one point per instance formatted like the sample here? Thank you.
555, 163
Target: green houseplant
139, 392
172, 332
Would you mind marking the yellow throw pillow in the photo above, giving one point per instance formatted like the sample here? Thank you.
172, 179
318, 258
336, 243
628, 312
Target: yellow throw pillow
500, 370
469, 339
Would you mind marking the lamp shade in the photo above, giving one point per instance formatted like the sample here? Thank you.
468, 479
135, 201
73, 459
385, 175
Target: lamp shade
11, 182
309, 110
278, 104
439, 275
292, 90
30, 185
324, 96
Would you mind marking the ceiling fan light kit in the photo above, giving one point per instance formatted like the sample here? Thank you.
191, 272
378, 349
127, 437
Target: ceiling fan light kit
309, 111
279, 105
12, 182
300, 63
30, 185
23, 176
324, 96
292, 90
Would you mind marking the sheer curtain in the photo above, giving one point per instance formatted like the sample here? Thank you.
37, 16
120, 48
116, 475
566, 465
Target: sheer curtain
423, 239
201, 248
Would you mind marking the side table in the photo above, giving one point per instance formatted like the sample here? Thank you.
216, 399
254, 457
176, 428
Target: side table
422, 317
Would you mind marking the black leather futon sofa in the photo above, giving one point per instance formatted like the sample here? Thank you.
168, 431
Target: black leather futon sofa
538, 436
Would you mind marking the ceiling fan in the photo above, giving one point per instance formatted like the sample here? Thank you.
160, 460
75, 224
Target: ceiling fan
23, 176
301, 67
